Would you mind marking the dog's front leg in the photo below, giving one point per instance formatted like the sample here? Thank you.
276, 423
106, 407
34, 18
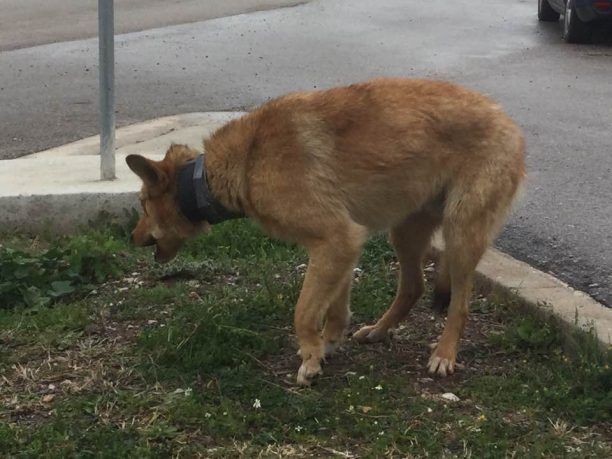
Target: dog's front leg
338, 317
331, 262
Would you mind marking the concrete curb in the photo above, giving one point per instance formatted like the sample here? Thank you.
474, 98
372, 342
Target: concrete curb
547, 295
138, 133
58, 190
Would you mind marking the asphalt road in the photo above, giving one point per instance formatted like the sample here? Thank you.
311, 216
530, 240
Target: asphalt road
559, 93
25, 23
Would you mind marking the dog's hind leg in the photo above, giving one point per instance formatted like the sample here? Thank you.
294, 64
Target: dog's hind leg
411, 240
465, 244
331, 262
474, 212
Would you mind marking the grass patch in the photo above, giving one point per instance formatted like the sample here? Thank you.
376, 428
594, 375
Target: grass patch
575, 382
196, 358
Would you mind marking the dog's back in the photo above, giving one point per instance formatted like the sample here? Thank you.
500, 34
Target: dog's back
381, 149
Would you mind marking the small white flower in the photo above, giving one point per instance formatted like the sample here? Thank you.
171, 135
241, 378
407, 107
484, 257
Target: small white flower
379, 387
381, 433
257, 404
298, 428
207, 415
429, 410
188, 391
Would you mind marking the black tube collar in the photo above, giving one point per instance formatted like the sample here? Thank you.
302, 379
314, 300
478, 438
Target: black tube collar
195, 198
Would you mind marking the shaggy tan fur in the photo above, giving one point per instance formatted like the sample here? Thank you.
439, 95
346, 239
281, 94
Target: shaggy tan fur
326, 169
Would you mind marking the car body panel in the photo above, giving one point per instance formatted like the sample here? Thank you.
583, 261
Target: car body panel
587, 10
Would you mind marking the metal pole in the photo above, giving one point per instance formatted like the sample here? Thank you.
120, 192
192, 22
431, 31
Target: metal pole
106, 42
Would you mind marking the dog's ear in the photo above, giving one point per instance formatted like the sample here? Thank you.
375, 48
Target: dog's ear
150, 173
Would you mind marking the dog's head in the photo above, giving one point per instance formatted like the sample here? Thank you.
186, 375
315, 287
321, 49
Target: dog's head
162, 224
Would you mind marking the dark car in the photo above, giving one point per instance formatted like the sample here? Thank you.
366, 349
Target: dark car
578, 16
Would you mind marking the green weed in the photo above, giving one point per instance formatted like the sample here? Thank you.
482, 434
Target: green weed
38, 278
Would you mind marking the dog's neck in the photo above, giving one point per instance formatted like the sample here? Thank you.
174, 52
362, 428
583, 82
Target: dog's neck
227, 160
195, 198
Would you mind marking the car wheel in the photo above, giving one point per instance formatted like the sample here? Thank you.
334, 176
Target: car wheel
574, 30
546, 13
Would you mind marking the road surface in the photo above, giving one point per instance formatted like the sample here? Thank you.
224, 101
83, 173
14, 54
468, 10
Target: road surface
25, 23
560, 94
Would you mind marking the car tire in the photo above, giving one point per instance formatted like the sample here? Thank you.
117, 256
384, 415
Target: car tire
546, 13
574, 30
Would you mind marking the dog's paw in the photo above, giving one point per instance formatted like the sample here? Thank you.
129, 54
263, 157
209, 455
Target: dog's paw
370, 334
307, 372
441, 364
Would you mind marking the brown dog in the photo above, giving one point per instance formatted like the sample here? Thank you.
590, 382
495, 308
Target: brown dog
326, 169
